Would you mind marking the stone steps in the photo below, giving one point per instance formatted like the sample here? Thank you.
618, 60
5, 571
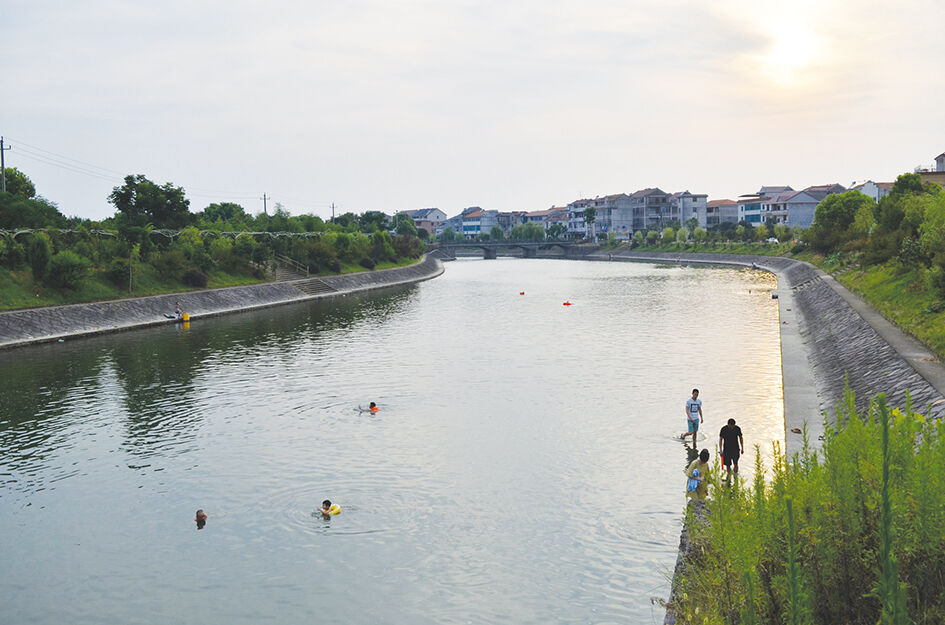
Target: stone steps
313, 286
284, 274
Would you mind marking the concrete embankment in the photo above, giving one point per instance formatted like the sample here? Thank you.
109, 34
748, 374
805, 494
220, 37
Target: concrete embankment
39, 325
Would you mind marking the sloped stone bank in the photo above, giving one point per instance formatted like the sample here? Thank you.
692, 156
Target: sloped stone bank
38, 325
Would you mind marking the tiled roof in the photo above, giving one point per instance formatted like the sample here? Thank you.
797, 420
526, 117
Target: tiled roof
767, 190
721, 203
646, 192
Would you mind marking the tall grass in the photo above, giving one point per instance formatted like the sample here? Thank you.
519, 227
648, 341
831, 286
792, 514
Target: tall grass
852, 534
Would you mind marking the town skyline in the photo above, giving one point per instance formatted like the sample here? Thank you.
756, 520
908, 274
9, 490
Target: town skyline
392, 107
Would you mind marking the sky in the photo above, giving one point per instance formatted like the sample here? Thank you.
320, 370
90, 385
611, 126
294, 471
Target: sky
512, 105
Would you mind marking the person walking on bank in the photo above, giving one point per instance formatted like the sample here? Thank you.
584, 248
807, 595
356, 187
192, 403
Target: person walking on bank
732, 445
693, 416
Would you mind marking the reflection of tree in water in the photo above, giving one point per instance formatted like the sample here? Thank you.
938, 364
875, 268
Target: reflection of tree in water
157, 379
157, 375
39, 387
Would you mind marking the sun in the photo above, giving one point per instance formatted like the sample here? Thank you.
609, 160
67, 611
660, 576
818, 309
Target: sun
792, 50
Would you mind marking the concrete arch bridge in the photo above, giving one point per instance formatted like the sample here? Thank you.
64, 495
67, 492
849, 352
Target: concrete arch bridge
491, 248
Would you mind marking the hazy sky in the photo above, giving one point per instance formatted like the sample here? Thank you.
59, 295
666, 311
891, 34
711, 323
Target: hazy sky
393, 105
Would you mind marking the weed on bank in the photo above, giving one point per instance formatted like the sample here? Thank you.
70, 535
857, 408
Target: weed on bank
852, 534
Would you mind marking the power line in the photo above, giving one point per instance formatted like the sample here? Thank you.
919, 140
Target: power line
74, 165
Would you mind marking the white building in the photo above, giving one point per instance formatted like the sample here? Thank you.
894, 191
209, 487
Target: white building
876, 190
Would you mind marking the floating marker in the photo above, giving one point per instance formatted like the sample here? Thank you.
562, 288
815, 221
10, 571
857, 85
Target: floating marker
521, 292
565, 303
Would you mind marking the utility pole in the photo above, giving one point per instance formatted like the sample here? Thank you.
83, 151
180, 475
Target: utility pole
263, 198
332, 212
3, 167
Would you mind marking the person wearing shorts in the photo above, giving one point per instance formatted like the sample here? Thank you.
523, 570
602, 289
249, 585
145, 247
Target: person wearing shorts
732, 445
693, 415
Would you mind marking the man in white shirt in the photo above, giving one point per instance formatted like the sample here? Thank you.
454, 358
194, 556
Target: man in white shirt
693, 415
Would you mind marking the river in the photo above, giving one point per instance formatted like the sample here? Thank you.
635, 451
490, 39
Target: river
521, 469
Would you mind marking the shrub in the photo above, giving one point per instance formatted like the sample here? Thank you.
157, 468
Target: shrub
313, 267
170, 264
117, 271
39, 251
195, 277
368, 263
335, 266
12, 254
67, 270
798, 248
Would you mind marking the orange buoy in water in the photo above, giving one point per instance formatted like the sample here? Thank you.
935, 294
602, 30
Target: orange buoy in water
521, 292
565, 303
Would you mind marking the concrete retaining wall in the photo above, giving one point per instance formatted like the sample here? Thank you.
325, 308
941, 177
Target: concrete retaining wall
38, 325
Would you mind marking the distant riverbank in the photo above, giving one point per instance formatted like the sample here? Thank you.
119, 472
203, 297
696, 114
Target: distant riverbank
52, 323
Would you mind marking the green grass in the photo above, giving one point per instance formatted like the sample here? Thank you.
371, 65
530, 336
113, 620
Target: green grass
18, 290
901, 296
832, 535
762, 249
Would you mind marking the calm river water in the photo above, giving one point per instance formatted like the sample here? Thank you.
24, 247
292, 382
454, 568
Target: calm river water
521, 469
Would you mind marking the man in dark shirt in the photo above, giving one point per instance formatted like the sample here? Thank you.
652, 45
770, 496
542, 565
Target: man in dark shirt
732, 445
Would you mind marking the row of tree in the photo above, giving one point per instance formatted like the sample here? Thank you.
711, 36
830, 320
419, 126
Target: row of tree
907, 226
153, 224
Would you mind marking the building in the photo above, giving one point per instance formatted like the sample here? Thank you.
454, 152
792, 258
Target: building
784, 205
749, 207
428, 219
936, 174
477, 220
509, 219
719, 212
802, 205
688, 205
577, 229
875, 190
546, 217
650, 209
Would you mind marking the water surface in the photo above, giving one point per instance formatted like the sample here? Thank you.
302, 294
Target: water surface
521, 470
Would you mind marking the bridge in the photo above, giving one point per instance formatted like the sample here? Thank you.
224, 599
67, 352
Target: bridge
490, 248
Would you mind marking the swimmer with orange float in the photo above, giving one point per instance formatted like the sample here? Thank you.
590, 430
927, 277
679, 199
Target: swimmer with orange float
372, 408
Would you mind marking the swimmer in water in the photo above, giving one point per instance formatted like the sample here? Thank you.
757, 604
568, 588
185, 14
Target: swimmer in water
372, 408
201, 519
326, 508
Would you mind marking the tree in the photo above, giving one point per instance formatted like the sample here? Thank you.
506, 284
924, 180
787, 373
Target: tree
638, 237
692, 223
834, 217
225, 212
403, 224
699, 235
496, 233
556, 230
761, 232
17, 212
590, 216
370, 221
682, 235
140, 201
668, 234
447, 235
782, 232
19, 185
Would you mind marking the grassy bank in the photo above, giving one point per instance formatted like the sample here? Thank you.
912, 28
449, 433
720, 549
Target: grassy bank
901, 295
829, 538
19, 290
